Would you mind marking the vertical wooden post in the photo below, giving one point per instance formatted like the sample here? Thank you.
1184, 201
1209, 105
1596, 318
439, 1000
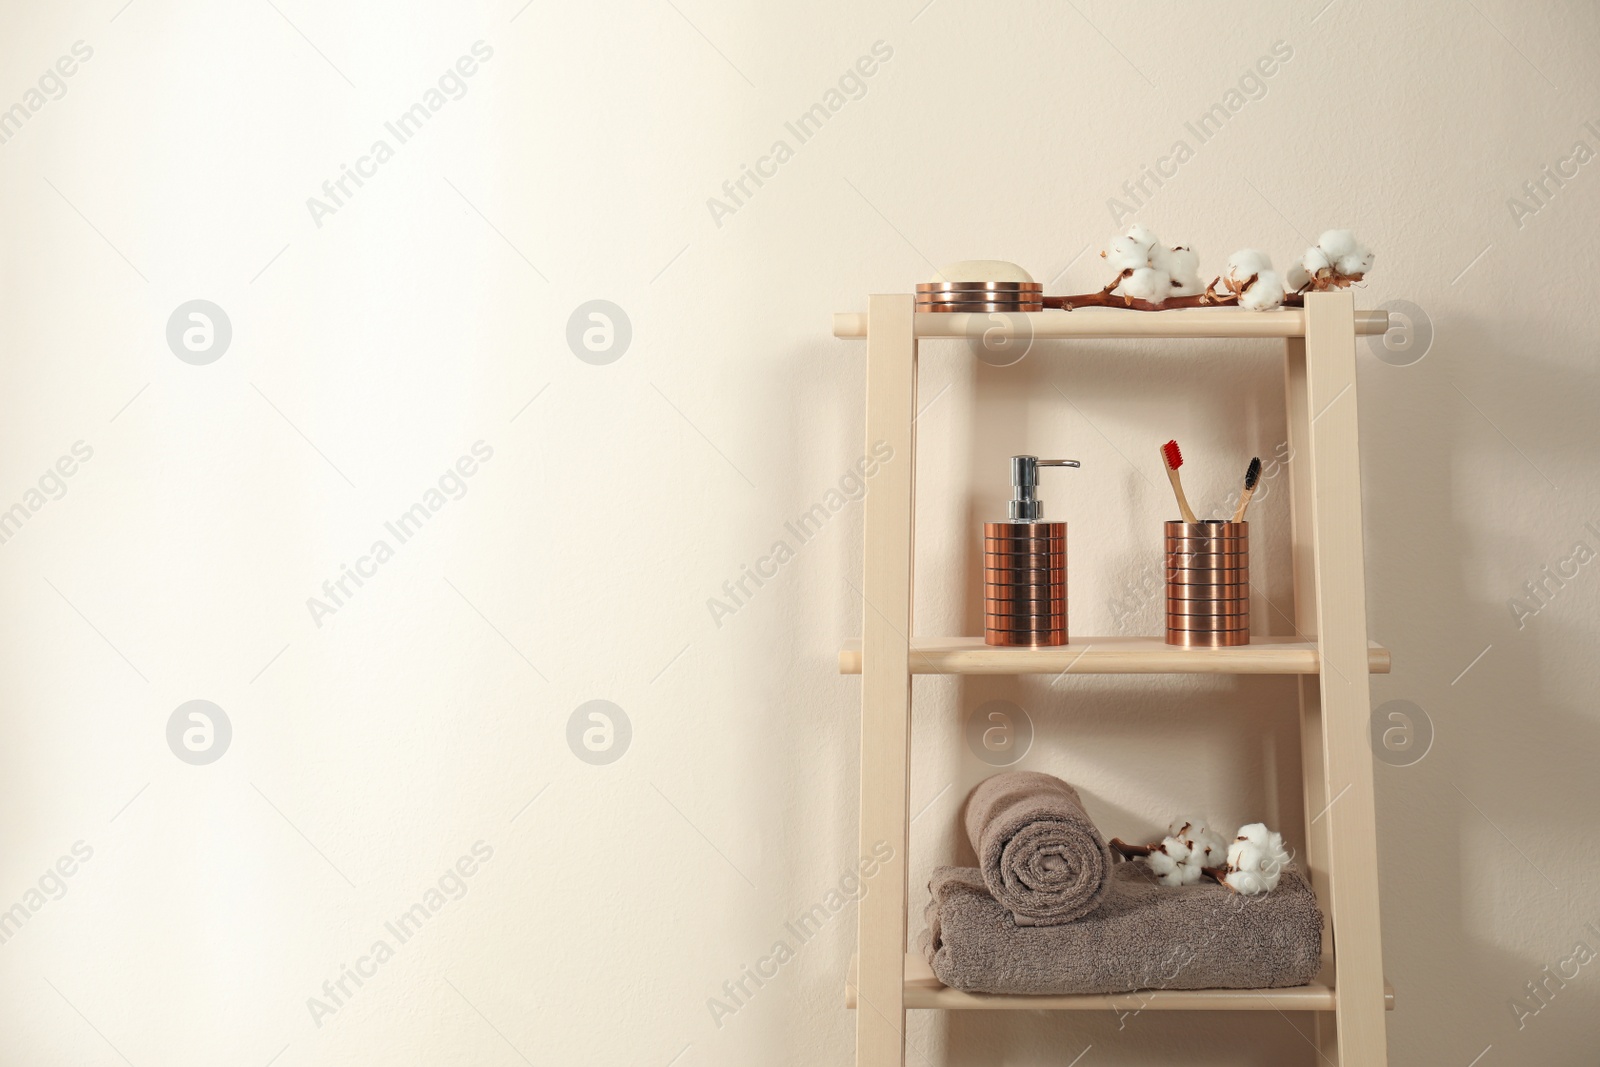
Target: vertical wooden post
886, 682
1312, 772
1334, 466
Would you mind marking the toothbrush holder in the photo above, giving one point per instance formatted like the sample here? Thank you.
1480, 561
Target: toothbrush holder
1208, 583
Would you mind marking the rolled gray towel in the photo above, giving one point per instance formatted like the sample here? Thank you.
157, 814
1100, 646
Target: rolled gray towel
1041, 857
1142, 936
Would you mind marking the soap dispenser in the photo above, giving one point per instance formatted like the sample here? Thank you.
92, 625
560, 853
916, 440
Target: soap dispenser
1025, 566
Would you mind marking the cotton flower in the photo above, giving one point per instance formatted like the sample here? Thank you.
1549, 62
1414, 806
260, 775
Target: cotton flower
1251, 277
1336, 260
1189, 847
1174, 862
1256, 860
1336, 243
1147, 283
1243, 265
1154, 271
1296, 278
1263, 294
1355, 263
1246, 883
1183, 264
1143, 234
1126, 253
1166, 868
1204, 843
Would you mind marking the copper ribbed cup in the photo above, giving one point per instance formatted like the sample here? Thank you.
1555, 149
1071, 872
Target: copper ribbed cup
1208, 584
1028, 639
1213, 591
1024, 576
1025, 583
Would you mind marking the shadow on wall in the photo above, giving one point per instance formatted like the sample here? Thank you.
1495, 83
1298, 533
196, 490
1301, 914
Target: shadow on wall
1511, 766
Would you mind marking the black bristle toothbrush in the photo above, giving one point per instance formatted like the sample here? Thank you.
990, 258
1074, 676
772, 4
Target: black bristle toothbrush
1252, 476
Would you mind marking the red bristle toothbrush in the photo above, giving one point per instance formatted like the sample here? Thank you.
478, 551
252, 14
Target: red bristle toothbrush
1252, 476
1172, 459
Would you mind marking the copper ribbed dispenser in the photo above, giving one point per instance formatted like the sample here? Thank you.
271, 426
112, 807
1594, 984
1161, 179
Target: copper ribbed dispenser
1025, 566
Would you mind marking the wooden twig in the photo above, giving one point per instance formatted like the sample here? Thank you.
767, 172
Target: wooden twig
1130, 851
1106, 300
1118, 280
1208, 299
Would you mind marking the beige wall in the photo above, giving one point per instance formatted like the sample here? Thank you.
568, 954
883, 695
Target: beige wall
373, 346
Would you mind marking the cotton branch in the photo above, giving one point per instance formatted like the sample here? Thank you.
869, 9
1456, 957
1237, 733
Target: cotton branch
1181, 856
1152, 276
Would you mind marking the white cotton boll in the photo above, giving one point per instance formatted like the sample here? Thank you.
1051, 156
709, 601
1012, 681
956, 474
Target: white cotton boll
1245, 883
1256, 833
1275, 860
1190, 828
1165, 868
1336, 243
1201, 844
1265, 294
1147, 283
1296, 278
1356, 262
1141, 233
1337, 258
1189, 847
1245, 856
1256, 860
1184, 266
1247, 850
1181, 260
1246, 262
1176, 847
1208, 847
1126, 253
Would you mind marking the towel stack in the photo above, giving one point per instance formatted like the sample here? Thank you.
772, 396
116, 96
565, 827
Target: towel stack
1047, 911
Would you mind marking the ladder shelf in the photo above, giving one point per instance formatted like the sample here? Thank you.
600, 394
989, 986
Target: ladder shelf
1331, 657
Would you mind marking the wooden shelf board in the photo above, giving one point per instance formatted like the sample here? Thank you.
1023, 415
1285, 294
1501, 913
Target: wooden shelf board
1111, 655
923, 990
1115, 322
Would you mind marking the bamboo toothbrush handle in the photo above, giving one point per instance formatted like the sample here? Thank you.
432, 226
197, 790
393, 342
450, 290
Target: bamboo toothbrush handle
1177, 489
1244, 502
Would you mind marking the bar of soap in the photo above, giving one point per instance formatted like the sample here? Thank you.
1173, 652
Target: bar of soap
982, 270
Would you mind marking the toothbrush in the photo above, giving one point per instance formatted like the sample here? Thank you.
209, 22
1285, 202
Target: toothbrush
1251, 477
1172, 459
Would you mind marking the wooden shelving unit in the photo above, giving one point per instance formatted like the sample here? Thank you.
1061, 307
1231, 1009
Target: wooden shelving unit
1330, 653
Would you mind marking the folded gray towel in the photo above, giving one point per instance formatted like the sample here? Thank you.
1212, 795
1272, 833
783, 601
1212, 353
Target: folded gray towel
1142, 936
1041, 856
